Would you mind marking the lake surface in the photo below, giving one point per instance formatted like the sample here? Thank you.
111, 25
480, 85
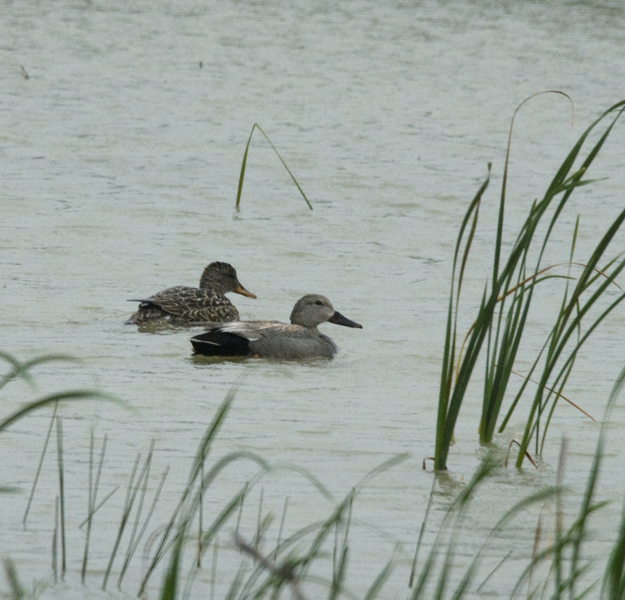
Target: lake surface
122, 131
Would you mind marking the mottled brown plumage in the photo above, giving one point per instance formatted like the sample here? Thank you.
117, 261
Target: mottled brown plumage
182, 305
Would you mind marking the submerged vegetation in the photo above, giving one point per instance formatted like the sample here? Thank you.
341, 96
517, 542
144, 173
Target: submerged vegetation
315, 559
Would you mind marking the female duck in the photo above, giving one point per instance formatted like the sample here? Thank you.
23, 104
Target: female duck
272, 339
183, 305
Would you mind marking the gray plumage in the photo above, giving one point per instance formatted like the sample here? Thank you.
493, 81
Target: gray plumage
272, 339
182, 305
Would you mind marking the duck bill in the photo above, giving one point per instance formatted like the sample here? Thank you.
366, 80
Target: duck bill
338, 319
241, 290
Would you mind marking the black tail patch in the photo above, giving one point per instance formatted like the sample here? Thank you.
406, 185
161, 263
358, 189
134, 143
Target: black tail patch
220, 343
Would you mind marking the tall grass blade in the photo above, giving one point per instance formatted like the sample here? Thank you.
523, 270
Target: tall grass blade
341, 553
180, 536
426, 516
502, 202
380, 580
93, 493
59, 446
448, 406
136, 538
38, 471
188, 505
214, 568
162, 548
55, 542
234, 590
70, 395
244, 164
200, 521
281, 530
497, 567
131, 492
170, 584
195, 570
614, 576
211, 432
99, 506
259, 519
10, 572
279, 574
235, 501
22, 369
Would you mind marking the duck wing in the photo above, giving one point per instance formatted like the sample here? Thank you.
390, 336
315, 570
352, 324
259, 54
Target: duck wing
236, 338
193, 304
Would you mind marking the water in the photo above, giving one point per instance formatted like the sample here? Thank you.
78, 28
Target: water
120, 157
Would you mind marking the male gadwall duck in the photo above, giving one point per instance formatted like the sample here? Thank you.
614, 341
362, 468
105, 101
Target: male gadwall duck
272, 339
183, 305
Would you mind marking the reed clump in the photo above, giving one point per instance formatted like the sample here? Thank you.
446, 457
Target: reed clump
314, 560
502, 317
177, 550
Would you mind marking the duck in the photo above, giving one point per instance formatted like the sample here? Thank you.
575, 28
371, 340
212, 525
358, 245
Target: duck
182, 305
297, 340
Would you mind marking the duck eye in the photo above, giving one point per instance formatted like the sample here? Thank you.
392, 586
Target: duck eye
318, 303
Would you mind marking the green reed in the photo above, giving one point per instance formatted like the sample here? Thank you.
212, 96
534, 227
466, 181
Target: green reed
61, 469
38, 471
614, 577
244, 165
288, 564
137, 488
200, 479
10, 572
284, 570
568, 573
502, 316
93, 486
565, 553
22, 370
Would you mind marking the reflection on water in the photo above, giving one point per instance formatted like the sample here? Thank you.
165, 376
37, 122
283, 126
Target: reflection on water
120, 161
